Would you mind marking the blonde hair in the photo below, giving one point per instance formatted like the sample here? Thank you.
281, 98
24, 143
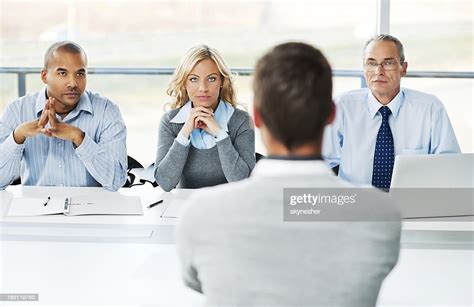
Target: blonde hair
177, 84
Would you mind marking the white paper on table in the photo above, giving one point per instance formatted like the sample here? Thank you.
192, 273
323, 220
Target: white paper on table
106, 205
77, 205
35, 206
174, 208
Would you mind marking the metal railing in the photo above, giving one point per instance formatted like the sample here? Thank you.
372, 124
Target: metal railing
21, 73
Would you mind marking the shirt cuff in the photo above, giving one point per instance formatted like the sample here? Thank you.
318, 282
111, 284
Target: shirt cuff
221, 135
87, 149
182, 139
10, 148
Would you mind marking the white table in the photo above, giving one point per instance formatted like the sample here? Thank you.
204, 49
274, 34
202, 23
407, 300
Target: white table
131, 260
84, 260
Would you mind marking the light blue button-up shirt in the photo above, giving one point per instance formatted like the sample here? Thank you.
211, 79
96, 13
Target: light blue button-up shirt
199, 138
101, 159
419, 125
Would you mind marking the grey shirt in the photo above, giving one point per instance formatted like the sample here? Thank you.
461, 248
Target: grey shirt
236, 249
232, 159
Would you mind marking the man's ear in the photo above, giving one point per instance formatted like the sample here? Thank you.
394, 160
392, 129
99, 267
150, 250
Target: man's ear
257, 117
404, 68
43, 75
332, 114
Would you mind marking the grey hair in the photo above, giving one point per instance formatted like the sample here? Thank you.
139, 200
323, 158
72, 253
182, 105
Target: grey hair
66, 46
389, 38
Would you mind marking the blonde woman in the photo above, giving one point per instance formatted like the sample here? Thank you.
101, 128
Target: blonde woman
204, 140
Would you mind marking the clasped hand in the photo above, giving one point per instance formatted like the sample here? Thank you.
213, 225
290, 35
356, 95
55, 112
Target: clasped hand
56, 129
202, 118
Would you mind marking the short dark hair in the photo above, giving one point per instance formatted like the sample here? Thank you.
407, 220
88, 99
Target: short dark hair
65, 46
293, 93
389, 38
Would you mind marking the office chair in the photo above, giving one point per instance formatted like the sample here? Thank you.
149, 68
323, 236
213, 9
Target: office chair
132, 164
149, 176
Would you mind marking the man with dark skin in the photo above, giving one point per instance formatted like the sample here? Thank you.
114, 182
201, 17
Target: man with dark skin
63, 135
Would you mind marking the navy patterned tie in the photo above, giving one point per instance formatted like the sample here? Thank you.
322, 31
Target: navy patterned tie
384, 153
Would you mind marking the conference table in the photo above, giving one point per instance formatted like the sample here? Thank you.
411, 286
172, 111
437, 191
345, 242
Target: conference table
131, 260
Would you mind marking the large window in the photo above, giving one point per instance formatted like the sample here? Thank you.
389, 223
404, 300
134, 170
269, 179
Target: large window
156, 34
438, 36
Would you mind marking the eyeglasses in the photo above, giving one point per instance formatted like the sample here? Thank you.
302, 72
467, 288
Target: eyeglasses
387, 65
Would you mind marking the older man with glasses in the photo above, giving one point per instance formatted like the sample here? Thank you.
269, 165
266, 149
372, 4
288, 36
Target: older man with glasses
375, 124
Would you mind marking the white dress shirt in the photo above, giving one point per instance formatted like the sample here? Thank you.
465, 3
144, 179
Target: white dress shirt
101, 159
419, 125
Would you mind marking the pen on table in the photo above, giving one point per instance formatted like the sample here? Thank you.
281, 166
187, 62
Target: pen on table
155, 204
47, 201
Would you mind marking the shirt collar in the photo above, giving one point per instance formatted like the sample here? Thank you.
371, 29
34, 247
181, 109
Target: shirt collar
394, 105
280, 167
222, 114
84, 104
183, 114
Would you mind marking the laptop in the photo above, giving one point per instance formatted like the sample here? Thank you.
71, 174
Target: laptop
434, 186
